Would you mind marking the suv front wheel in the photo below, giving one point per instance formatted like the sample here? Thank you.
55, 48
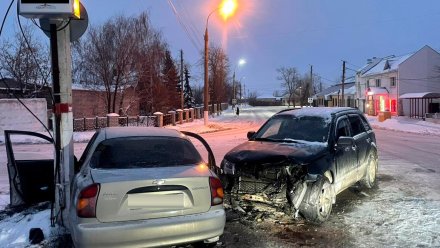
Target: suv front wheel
318, 204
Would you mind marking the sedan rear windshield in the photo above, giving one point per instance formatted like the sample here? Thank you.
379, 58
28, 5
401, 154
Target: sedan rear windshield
290, 128
144, 152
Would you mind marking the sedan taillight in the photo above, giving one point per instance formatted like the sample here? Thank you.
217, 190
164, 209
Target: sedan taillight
216, 191
86, 206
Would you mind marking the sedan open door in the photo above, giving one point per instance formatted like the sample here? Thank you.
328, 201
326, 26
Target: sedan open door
30, 167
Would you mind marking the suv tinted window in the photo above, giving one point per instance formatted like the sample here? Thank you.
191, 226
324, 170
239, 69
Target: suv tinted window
144, 152
356, 124
365, 123
342, 128
290, 127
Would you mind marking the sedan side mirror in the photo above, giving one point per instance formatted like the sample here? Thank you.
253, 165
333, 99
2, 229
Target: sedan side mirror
345, 141
76, 165
250, 135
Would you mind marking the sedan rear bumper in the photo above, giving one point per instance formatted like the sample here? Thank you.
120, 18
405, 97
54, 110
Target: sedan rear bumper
151, 233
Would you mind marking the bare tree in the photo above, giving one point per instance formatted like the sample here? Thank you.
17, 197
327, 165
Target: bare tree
26, 61
218, 71
124, 53
198, 94
290, 82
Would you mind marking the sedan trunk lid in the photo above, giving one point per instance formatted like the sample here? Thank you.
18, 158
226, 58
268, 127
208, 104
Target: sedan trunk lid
137, 194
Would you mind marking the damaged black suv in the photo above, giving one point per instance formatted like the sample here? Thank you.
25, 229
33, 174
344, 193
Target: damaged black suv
301, 159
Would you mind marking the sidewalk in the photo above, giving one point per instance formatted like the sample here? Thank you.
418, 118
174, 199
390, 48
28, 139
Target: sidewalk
406, 124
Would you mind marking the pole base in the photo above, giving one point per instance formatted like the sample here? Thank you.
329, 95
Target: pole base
205, 117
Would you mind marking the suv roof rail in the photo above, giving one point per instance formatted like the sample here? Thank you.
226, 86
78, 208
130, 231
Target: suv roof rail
287, 109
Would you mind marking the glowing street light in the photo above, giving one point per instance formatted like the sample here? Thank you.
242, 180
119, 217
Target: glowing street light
227, 8
241, 62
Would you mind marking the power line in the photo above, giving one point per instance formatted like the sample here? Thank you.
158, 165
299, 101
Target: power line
185, 28
191, 25
45, 83
6, 84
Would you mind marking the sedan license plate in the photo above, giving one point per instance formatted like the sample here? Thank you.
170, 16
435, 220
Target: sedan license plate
175, 200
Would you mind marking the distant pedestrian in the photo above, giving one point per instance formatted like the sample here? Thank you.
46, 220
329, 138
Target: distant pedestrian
237, 112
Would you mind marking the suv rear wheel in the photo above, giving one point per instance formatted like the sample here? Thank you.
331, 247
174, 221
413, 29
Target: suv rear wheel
370, 177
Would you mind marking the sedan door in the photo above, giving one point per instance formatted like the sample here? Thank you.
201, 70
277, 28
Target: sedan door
30, 167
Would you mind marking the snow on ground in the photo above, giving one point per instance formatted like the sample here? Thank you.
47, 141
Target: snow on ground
405, 124
14, 229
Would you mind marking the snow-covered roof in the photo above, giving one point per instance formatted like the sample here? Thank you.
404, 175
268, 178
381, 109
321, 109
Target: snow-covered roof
8, 83
387, 64
377, 91
266, 96
371, 63
421, 95
88, 87
349, 88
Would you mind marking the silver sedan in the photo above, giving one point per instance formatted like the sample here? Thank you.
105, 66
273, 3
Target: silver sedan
145, 187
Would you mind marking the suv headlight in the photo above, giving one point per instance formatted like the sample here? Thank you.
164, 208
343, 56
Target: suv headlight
228, 167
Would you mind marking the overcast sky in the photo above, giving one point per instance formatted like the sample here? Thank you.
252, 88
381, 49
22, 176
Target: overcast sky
274, 33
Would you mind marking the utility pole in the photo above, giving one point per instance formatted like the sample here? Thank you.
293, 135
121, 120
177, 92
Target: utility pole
311, 80
244, 91
182, 102
343, 82
206, 83
63, 117
233, 90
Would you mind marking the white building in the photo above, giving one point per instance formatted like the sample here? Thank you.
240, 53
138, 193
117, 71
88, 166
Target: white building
382, 83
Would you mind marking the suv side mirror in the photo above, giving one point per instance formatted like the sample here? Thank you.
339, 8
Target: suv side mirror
250, 134
345, 141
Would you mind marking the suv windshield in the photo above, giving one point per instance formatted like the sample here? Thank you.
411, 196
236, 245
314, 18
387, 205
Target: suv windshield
290, 128
144, 152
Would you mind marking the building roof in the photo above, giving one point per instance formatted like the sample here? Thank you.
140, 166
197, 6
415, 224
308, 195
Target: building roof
377, 91
421, 95
349, 89
10, 84
386, 64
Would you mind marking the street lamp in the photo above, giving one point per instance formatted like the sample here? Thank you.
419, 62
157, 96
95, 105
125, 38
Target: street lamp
241, 62
227, 8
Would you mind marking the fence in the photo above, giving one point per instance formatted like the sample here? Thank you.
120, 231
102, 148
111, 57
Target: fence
87, 124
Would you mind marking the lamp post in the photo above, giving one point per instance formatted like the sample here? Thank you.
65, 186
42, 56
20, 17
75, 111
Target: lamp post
206, 84
227, 8
234, 92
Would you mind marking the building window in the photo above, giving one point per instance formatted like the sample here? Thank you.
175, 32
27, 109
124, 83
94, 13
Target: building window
393, 82
368, 83
377, 82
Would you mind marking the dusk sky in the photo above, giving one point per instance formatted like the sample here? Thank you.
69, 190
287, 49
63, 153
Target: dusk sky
269, 34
